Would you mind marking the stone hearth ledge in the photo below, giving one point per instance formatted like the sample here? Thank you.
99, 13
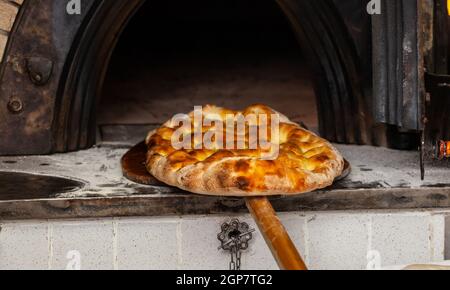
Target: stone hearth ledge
381, 179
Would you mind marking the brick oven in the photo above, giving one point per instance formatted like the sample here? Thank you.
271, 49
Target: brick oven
83, 81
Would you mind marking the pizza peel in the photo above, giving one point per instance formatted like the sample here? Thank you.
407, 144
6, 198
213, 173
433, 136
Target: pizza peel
275, 234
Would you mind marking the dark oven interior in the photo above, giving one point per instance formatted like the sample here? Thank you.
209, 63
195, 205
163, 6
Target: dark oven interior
316, 70
174, 55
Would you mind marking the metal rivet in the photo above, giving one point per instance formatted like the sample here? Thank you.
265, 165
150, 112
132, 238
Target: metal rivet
37, 78
15, 106
39, 70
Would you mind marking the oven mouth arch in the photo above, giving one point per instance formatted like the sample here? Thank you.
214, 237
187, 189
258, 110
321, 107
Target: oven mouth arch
81, 47
324, 39
85, 69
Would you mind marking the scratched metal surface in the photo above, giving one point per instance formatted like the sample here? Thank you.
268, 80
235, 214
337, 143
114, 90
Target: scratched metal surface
24, 186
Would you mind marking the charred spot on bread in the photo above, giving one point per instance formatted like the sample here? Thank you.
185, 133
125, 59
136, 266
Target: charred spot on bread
243, 183
242, 166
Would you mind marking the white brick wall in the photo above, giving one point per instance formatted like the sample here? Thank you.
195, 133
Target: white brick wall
336, 239
331, 240
147, 244
93, 240
24, 245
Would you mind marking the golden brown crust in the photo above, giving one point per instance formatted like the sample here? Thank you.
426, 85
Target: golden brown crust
305, 162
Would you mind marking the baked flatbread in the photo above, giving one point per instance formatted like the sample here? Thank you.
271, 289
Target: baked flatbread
304, 162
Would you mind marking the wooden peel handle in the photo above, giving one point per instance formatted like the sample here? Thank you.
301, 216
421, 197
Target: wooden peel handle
276, 236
